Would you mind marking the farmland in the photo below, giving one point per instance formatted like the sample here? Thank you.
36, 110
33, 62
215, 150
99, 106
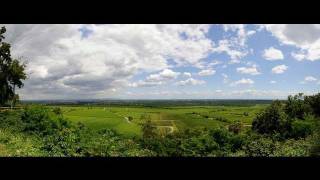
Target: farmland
166, 119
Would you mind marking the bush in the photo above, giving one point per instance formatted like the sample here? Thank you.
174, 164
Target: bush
295, 106
36, 119
259, 146
314, 103
272, 120
235, 127
57, 111
11, 120
301, 129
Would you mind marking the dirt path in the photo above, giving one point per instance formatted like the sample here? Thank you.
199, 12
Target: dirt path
170, 127
127, 119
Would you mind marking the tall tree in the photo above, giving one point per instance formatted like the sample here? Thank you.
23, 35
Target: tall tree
11, 72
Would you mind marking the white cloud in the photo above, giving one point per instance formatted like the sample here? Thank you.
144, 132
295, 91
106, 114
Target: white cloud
207, 72
166, 74
298, 56
225, 78
310, 78
279, 69
248, 70
272, 54
273, 82
187, 74
305, 37
141, 83
191, 81
242, 81
160, 78
62, 63
231, 49
242, 33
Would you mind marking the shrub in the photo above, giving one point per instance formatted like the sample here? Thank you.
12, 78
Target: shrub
57, 111
314, 103
301, 129
259, 146
272, 120
36, 119
148, 129
235, 127
295, 107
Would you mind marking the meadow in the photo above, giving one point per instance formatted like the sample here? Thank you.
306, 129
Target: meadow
126, 120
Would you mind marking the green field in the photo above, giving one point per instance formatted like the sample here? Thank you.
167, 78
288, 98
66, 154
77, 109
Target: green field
166, 119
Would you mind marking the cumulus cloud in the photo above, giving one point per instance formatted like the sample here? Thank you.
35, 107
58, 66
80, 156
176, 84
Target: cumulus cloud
157, 79
235, 53
272, 54
242, 81
235, 46
310, 78
62, 62
191, 81
207, 72
248, 70
305, 37
279, 69
298, 55
166, 74
187, 74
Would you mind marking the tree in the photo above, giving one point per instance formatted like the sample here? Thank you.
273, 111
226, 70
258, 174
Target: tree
12, 72
314, 102
17, 74
272, 120
295, 107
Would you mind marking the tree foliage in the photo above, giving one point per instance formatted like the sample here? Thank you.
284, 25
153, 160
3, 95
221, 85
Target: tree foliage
12, 72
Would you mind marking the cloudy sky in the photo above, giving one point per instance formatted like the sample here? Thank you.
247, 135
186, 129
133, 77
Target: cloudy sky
167, 61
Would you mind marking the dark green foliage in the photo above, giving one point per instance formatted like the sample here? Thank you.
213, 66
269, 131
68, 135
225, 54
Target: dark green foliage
314, 103
11, 120
36, 119
295, 107
195, 142
301, 129
272, 120
260, 146
57, 111
11, 72
148, 129
130, 118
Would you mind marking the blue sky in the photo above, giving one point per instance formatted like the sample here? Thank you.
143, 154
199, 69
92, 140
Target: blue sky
168, 61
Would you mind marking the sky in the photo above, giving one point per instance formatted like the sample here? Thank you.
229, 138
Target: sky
175, 61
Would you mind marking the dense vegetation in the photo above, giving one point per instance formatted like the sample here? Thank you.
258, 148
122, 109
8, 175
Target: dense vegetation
281, 129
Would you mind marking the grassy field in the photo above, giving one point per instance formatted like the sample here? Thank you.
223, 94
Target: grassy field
166, 119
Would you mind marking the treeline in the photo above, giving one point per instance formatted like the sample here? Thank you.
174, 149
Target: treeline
152, 103
282, 129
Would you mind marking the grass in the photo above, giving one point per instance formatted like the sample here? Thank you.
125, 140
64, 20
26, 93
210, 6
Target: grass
177, 117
